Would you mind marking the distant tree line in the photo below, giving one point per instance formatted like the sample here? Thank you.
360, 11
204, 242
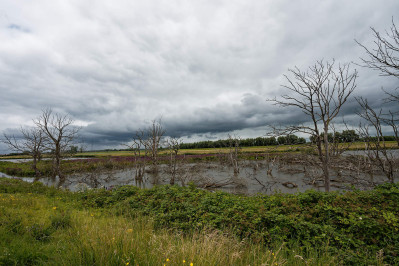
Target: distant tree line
249, 142
345, 136
340, 137
350, 136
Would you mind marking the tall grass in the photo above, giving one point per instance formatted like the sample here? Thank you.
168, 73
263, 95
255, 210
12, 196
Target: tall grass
49, 230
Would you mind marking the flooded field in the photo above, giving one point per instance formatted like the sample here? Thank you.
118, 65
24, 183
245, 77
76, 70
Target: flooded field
253, 177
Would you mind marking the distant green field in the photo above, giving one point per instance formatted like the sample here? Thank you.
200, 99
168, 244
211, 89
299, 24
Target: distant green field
285, 148
276, 148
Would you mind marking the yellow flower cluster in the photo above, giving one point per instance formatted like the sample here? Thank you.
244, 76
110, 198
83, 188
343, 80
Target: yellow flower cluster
184, 261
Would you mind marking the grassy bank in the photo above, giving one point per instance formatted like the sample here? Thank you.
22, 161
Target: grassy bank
178, 226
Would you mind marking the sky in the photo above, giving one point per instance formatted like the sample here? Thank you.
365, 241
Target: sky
206, 68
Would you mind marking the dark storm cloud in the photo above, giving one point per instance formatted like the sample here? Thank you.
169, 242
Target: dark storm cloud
205, 67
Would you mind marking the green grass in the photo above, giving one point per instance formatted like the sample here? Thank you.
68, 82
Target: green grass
168, 224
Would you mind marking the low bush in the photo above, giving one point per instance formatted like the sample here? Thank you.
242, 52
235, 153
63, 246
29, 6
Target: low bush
353, 223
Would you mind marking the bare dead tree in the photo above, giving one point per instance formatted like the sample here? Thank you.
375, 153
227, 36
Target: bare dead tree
376, 148
146, 142
139, 142
154, 136
234, 149
60, 133
319, 93
32, 142
173, 146
384, 57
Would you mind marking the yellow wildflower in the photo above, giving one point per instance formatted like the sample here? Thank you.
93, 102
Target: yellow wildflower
54, 208
184, 261
167, 260
130, 230
191, 264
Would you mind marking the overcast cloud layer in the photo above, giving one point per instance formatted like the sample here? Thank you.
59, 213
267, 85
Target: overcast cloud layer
205, 67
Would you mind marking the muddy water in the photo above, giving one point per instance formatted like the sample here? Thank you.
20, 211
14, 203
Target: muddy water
253, 177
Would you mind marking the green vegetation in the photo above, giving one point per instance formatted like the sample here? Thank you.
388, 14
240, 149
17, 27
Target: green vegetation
169, 224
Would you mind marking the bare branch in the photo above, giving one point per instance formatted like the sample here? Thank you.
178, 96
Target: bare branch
384, 57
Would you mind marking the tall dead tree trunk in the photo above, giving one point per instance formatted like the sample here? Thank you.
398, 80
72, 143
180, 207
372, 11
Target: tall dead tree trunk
154, 135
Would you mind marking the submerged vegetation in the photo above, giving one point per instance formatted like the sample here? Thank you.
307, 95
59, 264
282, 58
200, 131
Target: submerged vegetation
181, 225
